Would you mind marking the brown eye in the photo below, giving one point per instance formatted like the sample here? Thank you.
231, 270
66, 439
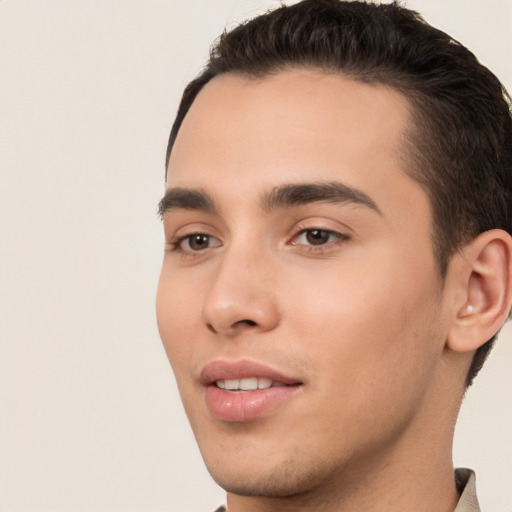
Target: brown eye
318, 236
198, 242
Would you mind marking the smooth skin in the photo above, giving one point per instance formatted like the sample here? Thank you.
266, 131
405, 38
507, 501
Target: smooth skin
345, 297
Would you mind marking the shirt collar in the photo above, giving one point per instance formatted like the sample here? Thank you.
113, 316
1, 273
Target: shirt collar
466, 485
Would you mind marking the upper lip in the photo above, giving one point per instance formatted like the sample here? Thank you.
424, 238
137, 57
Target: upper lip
226, 370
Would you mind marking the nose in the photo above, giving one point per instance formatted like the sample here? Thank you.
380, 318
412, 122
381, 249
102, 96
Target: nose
241, 297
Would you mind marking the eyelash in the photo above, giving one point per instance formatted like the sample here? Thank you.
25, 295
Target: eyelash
340, 238
176, 244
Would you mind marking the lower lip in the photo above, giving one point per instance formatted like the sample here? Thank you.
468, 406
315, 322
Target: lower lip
246, 405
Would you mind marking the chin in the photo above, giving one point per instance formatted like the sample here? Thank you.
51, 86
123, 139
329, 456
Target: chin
273, 480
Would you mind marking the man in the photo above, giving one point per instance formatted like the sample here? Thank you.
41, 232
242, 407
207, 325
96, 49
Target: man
338, 259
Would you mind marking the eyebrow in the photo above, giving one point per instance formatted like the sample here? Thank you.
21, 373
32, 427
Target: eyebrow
186, 199
283, 196
290, 195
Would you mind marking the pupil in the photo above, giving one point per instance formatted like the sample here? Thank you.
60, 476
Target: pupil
198, 242
317, 236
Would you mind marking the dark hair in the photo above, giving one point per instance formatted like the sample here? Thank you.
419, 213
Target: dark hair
459, 147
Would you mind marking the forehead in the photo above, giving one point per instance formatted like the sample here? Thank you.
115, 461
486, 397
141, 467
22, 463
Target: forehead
299, 125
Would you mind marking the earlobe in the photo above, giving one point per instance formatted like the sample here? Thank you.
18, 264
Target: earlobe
485, 280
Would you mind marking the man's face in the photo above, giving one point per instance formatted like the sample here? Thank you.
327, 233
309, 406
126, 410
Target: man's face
299, 256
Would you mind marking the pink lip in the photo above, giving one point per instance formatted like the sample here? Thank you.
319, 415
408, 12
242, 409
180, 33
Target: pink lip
244, 405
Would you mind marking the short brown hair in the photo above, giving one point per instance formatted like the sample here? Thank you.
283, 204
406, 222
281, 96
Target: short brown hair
460, 142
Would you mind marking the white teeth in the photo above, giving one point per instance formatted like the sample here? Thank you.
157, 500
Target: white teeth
247, 384
232, 384
264, 383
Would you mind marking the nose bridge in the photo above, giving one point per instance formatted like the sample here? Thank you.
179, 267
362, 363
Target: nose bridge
241, 294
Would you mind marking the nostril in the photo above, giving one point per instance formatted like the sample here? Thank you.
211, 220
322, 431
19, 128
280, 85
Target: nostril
235, 326
250, 323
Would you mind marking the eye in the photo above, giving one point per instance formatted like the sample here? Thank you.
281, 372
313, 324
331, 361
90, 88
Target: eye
317, 237
196, 242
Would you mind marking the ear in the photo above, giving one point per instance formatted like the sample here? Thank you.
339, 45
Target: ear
482, 281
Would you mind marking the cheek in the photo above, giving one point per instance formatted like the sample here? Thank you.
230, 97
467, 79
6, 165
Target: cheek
371, 355
177, 310
371, 327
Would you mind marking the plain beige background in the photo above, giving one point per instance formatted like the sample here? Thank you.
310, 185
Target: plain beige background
89, 416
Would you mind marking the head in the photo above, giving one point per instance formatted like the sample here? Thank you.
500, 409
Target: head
459, 145
338, 194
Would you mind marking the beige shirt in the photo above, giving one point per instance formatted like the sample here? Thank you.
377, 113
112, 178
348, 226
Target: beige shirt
465, 480
466, 485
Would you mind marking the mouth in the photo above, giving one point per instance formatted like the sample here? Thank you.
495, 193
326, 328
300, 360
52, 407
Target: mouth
248, 384
244, 391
